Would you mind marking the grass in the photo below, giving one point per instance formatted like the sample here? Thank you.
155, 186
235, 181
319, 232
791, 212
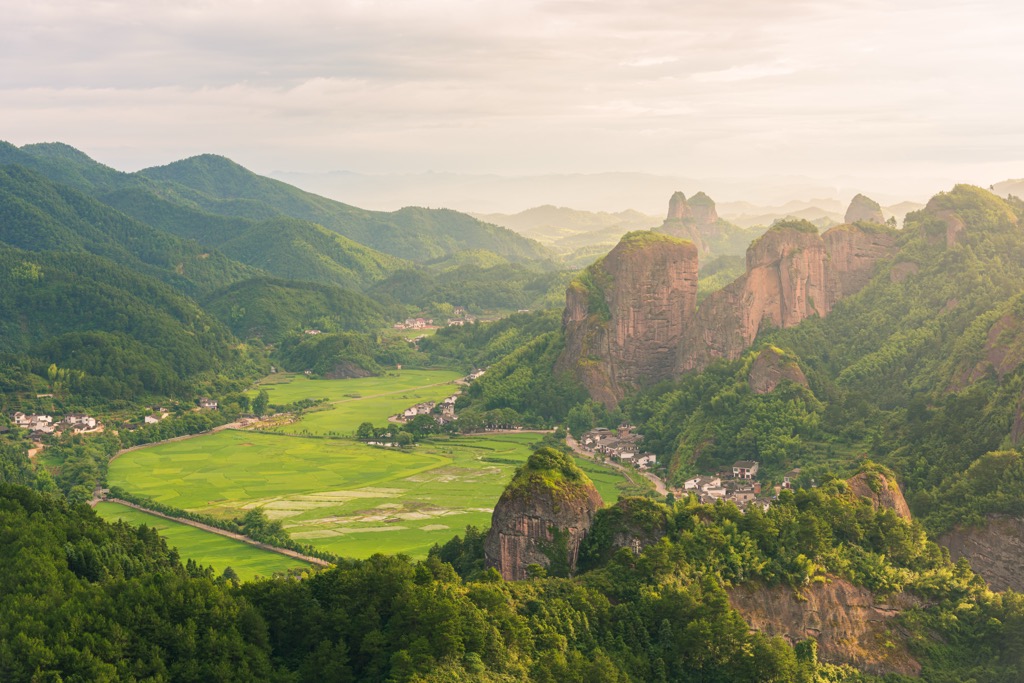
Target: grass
340, 495
207, 549
354, 401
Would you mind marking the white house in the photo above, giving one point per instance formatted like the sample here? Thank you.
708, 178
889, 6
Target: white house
744, 469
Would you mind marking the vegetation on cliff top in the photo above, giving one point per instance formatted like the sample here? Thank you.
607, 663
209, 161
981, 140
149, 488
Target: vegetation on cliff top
551, 470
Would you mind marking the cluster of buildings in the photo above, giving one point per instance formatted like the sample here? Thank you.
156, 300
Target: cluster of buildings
443, 412
414, 324
42, 425
621, 445
738, 485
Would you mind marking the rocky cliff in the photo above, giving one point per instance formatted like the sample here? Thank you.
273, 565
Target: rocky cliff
633, 523
770, 368
995, 550
864, 209
626, 314
632, 318
789, 278
882, 491
542, 517
849, 623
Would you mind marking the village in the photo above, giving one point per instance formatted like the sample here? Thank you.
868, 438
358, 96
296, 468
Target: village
42, 425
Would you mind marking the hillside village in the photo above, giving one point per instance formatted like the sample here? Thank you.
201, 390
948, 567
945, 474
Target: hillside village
42, 425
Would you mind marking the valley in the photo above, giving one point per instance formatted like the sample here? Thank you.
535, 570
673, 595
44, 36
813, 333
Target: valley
330, 491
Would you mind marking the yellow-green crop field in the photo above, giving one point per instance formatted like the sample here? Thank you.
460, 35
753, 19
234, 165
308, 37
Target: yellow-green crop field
335, 493
207, 549
354, 401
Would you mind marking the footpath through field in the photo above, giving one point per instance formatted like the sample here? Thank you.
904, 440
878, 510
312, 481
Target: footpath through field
229, 534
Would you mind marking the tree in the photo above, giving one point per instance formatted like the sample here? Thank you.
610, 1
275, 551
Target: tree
260, 403
365, 431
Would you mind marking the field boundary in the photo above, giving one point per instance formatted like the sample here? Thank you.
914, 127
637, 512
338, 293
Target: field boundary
221, 532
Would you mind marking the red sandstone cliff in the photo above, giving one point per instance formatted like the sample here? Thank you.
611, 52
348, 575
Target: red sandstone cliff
849, 623
882, 491
995, 550
627, 314
542, 517
863, 209
770, 369
632, 318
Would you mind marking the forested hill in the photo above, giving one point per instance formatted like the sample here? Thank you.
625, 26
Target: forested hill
39, 215
413, 233
123, 334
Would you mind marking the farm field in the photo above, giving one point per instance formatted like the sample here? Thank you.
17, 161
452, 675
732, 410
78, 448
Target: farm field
354, 401
341, 495
205, 548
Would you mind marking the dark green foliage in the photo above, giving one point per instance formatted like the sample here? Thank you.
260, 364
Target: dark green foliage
37, 215
153, 340
271, 310
89, 601
337, 354
522, 382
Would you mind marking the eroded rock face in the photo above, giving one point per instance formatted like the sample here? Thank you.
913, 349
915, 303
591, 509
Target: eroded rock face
881, 491
854, 253
788, 279
623, 325
995, 550
863, 209
850, 625
540, 525
770, 369
694, 219
649, 328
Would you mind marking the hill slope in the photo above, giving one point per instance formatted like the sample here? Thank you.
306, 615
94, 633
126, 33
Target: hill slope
413, 233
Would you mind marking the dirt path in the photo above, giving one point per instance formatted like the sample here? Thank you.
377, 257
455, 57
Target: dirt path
238, 537
659, 485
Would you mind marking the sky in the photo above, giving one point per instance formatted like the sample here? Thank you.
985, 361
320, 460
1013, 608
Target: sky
904, 97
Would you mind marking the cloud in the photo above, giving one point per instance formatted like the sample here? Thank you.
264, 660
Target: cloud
795, 86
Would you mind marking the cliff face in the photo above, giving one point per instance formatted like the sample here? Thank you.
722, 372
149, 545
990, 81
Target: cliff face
863, 209
995, 550
854, 252
624, 319
542, 517
789, 278
649, 328
881, 491
633, 319
850, 625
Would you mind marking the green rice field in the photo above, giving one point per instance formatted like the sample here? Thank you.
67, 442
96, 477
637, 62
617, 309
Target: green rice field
337, 494
205, 548
354, 401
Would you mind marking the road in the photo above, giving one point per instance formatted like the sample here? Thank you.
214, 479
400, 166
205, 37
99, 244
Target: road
214, 530
659, 485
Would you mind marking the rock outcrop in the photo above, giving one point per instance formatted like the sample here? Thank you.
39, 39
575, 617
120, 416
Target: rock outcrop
864, 209
633, 523
542, 517
854, 251
995, 550
789, 278
627, 314
632, 318
882, 491
694, 219
770, 368
850, 625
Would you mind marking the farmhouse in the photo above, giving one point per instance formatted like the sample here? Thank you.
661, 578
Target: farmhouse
207, 403
789, 479
744, 469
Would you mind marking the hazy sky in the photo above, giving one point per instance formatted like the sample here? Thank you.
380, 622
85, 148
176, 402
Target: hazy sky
909, 93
